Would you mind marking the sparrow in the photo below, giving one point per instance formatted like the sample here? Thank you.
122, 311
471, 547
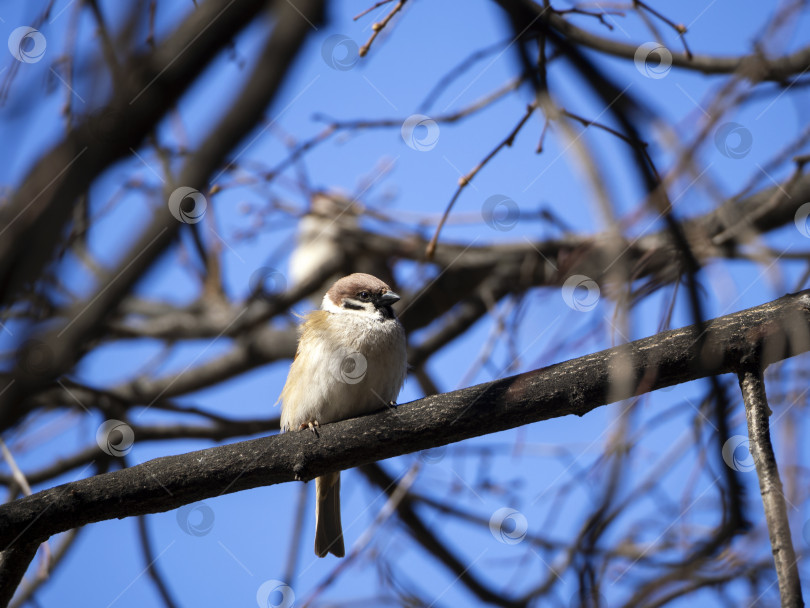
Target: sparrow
351, 360
329, 232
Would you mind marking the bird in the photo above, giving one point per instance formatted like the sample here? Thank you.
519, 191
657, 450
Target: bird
351, 360
329, 233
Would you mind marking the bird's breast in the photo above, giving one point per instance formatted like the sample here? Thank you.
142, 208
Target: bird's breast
350, 366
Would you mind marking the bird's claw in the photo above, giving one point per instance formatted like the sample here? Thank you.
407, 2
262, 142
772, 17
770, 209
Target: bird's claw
312, 425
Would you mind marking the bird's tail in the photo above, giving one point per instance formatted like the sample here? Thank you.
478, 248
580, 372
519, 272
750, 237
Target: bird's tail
328, 531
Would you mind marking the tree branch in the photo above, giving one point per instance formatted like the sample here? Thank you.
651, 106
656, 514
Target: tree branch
777, 69
36, 213
774, 331
433, 545
290, 29
757, 412
13, 563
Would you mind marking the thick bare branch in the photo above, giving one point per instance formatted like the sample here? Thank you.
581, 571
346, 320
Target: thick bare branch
776, 330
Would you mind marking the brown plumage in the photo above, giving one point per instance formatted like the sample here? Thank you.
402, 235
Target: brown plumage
350, 361
328, 531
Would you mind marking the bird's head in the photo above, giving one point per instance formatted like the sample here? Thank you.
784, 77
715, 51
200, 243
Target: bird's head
360, 294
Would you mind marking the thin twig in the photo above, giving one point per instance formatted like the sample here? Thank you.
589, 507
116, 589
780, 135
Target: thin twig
28, 588
680, 28
297, 534
19, 478
379, 26
371, 8
466, 179
597, 14
151, 567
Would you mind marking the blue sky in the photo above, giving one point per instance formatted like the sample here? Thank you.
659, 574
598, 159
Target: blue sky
249, 539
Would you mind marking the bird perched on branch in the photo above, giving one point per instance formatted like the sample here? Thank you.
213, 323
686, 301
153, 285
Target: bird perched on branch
351, 360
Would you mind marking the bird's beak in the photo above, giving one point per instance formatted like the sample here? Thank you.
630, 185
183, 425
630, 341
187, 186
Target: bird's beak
388, 298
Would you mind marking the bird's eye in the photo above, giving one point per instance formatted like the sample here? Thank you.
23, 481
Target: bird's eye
364, 295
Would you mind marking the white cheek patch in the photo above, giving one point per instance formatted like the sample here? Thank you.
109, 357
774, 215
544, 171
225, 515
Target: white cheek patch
367, 309
330, 306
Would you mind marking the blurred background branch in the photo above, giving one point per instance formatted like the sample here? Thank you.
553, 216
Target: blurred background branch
188, 177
